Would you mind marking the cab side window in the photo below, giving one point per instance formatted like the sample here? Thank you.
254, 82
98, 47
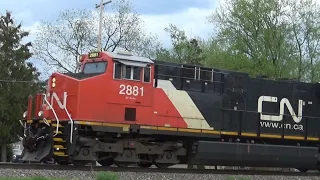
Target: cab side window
128, 72
122, 71
146, 73
117, 70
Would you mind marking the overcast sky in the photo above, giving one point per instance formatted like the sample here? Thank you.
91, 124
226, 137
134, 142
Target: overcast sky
188, 15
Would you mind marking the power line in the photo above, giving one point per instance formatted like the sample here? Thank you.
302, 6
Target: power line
19, 81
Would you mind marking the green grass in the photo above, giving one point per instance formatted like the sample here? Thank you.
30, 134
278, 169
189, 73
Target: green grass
107, 176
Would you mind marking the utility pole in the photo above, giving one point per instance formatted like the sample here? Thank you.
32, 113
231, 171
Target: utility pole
101, 6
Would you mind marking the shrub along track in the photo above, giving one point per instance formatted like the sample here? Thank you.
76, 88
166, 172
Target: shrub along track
151, 170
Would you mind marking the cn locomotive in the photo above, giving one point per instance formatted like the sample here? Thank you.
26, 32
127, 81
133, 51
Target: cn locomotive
124, 109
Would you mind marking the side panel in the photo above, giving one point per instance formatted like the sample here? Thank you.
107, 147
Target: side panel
261, 155
165, 113
281, 108
234, 102
185, 105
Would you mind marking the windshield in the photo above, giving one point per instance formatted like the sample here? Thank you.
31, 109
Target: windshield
95, 67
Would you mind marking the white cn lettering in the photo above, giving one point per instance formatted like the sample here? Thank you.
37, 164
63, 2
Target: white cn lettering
283, 102
61, 105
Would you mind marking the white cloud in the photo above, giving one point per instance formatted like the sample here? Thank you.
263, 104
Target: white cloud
192, 20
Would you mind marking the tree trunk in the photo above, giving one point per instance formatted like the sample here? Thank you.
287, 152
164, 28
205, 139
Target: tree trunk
3, 153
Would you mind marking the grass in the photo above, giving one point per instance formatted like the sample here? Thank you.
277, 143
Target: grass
100, 176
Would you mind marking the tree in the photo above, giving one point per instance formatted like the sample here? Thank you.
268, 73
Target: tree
255, 29
75, 32
304, 18
218, 54
279, 39
19, 78
184, 50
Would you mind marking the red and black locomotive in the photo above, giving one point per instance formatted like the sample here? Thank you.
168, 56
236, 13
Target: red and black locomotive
123, 109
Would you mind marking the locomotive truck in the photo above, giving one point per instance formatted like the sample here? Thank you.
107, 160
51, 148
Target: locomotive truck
124, 109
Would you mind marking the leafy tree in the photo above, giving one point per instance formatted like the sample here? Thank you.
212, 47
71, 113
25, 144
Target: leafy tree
19, 78
217, 54
304, 20
75, 32
254, 29
184, 50
279, 39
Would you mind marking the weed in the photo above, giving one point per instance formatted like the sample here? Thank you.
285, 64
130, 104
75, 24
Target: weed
107, 176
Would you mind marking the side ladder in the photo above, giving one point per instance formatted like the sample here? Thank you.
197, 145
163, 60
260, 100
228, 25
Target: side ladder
60, 150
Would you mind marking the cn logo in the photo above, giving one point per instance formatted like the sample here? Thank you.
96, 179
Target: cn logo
283, 102
54, 96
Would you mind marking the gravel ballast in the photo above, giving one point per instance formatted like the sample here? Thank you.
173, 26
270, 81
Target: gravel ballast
81, 175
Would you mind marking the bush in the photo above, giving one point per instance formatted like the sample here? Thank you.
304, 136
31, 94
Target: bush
9, 152
107, 176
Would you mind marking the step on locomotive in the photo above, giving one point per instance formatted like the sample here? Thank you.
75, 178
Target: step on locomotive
124, 109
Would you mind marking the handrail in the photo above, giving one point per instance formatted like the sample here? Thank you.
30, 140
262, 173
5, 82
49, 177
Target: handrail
46, 122
71, 132
54, 113
24, 127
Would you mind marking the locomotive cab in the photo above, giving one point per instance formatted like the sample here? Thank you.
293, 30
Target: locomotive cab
110, 88
119, 90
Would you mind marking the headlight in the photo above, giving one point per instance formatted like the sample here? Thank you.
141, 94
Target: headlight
40, 113
24, 115
53, 82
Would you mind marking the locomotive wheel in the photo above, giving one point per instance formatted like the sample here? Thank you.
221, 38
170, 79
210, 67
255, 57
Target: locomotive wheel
62, 162
122, 164
106, 162
162, 165
80, 163
302, 170
146, 161
144, 164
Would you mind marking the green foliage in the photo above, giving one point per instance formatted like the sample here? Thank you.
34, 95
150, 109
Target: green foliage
9, 152
13, 57
184, 50
277, 39
107, 176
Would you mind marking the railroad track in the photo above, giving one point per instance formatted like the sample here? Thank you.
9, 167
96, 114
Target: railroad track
152, 170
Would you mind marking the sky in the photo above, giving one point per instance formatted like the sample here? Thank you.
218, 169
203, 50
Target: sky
187, 15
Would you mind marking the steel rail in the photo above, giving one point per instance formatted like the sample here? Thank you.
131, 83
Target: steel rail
152, 170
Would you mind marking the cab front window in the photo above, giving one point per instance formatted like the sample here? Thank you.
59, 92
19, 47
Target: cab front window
95, 67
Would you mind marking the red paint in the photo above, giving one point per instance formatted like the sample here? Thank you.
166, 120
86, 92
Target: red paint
29, 112
38, 103
97, 99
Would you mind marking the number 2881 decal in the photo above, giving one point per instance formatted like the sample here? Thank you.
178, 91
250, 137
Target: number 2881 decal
131, 90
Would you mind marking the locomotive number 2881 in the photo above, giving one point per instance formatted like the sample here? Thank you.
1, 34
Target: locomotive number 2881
131, 90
